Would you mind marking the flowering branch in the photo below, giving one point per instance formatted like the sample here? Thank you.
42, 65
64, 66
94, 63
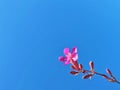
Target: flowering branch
72, 57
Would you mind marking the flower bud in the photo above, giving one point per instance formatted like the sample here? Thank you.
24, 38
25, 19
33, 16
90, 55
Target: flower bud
75, 64
87, 76
91, 64
109, 72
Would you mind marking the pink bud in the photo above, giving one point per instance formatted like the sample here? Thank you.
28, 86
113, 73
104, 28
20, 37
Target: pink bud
109, 72
91, 64
87, 76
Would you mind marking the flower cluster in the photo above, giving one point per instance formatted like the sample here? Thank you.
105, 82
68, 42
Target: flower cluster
72, 57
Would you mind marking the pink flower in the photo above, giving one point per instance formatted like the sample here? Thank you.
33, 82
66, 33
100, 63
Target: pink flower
69, 56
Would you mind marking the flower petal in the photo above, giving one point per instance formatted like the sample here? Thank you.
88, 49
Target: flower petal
75, 57
67, 62
74, 50
62, 58
66, 51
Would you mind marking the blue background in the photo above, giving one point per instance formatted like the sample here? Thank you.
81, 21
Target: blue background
33, 33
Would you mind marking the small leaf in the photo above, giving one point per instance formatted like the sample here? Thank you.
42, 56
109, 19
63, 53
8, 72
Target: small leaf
74, 72
87, 76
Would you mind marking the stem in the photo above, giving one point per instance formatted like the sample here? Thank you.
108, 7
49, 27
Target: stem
76, 66
110, 79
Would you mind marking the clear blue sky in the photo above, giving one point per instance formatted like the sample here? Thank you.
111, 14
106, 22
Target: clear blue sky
33, 33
